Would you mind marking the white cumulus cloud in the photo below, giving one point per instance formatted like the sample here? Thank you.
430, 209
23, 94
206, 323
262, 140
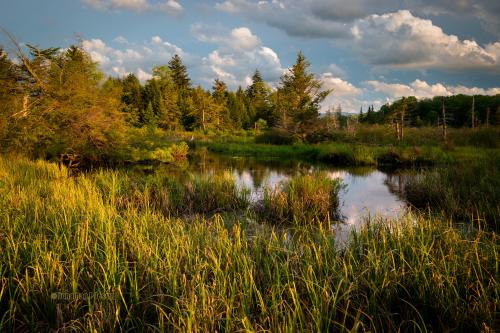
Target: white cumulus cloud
422, 89
237, 55
132, 57
401, 40
168, 6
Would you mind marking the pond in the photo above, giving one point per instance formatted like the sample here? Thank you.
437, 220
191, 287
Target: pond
368, 193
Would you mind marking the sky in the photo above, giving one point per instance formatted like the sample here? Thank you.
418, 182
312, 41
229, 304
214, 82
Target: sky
368, 52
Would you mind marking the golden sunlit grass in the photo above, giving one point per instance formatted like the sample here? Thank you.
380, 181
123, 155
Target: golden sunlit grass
143, 270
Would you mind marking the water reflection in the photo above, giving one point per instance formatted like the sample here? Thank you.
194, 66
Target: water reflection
369, 192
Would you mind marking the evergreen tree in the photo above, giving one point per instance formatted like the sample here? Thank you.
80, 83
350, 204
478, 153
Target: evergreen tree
179, 73
300, 96
171, 116
240, 109
182, 84
10, 97
64, 106
149, 117
220, 97
132, 98
152, 95
258, 95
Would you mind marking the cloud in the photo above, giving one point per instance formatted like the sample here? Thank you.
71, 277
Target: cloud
325, 18
343, 93
379, 35
339, 86
487, 12
401, 40
132, 58
336, 71
377, 93
293, 16
121, 40
237, 55
167, 6
422, 89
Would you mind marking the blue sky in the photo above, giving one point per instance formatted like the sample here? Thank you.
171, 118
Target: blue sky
367, 51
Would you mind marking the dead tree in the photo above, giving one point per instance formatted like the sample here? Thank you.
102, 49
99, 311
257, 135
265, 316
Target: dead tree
472, 111
443, 115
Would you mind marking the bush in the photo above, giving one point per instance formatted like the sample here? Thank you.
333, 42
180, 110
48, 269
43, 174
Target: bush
176, 152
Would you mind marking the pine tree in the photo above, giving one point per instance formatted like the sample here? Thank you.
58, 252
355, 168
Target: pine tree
220, 97
132, 98
171, 116
258, 94
179, 73
182, 84
148, 117
152, 95
300, 98
240, 109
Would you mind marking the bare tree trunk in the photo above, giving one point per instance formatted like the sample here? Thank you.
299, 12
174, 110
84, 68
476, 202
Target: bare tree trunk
444, 121
397, 131
203, 116
473, 106
402, 116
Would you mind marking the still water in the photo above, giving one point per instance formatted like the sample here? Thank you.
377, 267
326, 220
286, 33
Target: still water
369, 192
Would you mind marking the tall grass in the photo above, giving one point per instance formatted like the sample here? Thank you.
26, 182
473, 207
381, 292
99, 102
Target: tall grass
305, 199
470, 191
148, 271
179, 195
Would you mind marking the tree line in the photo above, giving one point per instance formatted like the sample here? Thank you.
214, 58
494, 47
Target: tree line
54, 100
459, 111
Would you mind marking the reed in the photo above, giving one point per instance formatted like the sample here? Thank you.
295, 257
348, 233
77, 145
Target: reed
132, 267
305, 199
469, 192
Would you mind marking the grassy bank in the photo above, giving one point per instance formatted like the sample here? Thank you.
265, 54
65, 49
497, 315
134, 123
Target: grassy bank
132, 266
345, 154
368, 146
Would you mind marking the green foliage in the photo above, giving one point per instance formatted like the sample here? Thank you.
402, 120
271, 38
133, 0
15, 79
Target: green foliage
428, 112
175, 152
300, 96
63, 107
132, 98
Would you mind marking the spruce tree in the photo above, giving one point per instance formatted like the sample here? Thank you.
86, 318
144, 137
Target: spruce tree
182, 84
300, 98
258, 94
179, 73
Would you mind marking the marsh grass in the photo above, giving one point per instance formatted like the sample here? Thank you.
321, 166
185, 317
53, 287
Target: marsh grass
305, 199
180, 196
466, 192
60, 233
